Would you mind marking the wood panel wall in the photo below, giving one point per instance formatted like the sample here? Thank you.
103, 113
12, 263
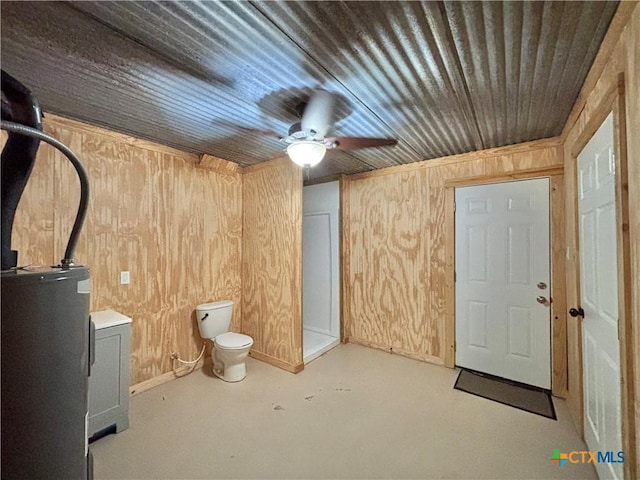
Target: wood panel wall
272, 262
618, 61
394, 248
174, 221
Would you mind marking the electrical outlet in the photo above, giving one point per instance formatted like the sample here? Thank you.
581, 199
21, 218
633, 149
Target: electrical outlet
124, 278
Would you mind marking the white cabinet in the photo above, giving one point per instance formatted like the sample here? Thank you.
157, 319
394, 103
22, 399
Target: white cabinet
109, 379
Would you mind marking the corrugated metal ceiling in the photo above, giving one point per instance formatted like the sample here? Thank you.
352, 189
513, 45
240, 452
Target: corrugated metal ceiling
441, 77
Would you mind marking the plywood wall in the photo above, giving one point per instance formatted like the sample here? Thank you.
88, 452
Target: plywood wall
272, 262
389, 266
619, 58
170, 219
394, 228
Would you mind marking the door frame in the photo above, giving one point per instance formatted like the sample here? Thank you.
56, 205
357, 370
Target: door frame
504, 186
613, 102
557, 255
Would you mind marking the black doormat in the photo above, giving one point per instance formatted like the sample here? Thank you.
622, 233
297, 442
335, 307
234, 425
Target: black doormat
525, 397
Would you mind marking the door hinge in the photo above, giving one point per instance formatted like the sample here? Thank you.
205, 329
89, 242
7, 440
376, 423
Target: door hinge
455, 276
454, 207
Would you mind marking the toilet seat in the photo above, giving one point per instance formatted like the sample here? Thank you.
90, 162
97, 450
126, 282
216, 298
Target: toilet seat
233, 341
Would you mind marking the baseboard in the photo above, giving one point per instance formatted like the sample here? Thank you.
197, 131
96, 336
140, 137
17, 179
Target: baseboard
396, 351
263, 357
164, 378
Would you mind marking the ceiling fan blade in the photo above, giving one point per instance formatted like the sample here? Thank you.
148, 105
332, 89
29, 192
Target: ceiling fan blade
318, 113
353, 143
257, 131
254, 131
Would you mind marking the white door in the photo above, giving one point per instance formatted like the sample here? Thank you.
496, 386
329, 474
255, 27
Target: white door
502, 275
599, 294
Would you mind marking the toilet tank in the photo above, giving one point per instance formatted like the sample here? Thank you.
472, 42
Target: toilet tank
214, 318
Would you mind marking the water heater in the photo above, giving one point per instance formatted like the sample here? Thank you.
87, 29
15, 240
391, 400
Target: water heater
46, 329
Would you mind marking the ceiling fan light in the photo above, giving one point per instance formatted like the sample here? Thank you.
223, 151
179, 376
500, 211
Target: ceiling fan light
306, 153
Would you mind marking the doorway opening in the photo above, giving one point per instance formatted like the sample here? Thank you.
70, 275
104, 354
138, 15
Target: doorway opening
320, 269
503, 280
599, 296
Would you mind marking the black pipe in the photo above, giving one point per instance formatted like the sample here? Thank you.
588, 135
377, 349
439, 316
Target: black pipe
82, 175
18, 158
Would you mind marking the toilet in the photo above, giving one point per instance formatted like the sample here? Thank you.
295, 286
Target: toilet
230, 349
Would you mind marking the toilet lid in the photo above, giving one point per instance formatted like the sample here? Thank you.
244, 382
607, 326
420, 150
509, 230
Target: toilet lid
215, 305
233, 340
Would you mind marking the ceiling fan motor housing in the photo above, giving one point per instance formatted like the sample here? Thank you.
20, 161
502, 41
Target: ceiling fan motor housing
297, 133
316, 119
295, 129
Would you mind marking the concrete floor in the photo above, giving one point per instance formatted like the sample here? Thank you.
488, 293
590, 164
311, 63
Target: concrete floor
352, 413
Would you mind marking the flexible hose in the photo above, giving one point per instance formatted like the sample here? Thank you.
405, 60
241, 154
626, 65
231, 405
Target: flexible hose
191, 362
82, 175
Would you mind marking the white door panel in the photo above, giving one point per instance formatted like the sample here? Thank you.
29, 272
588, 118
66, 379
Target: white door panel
502, 253
599, 294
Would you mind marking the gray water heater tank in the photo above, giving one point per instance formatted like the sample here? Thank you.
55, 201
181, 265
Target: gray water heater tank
45, 367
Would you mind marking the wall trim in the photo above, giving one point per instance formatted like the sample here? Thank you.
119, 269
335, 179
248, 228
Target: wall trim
218, 165
395, 351
628, 350
619, 22
345, 255
179, 372
462, 157
82, 127
263, 357
506, 177
269, 164
596, 118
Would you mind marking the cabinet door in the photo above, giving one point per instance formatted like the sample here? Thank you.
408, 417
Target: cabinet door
109, 380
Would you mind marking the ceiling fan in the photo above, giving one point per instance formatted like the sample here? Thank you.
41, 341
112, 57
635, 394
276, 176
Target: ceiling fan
307, 140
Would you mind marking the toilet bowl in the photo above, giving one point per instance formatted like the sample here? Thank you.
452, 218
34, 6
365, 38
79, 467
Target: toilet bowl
230, 349
229, 355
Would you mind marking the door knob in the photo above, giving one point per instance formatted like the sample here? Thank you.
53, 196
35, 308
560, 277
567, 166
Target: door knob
541, 300
576, 312
542, 285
